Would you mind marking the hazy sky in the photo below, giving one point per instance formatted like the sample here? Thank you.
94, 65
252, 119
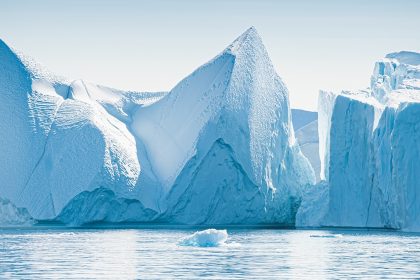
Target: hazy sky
152, 45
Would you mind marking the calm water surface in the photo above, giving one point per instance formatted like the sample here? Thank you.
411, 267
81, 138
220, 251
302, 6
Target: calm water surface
251, 254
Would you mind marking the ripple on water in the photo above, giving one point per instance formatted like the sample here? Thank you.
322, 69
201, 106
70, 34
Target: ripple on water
249, 254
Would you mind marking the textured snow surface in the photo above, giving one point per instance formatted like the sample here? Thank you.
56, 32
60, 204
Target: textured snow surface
218, 148
370, 153
59, 140
205, 238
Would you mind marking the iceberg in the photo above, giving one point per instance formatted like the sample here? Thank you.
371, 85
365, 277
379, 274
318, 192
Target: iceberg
10, 215
219, 148
205, 238
60, 139
223, 136
305, 125
369, 152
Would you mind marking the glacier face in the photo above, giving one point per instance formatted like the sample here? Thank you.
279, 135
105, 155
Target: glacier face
369, 151
218, 148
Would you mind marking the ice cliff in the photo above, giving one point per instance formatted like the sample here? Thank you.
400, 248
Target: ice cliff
369, 150
219, 148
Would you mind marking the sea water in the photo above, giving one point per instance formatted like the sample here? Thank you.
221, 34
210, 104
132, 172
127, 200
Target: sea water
106, 253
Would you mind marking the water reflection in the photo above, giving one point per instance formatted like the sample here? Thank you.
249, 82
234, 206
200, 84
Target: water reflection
303, 251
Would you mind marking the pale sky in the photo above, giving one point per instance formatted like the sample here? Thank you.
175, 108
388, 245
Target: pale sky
152, 45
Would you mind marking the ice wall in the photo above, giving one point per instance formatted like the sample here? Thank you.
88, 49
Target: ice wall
369, 151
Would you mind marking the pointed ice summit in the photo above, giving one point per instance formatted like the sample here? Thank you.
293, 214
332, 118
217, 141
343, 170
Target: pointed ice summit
217, 149
221, 143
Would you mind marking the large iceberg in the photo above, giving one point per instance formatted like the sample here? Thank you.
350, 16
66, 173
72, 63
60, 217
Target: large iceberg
219, 148
10, 215
369, 147
60, 139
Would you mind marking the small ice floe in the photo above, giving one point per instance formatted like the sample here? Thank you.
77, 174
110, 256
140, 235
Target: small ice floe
205, 238
326, 235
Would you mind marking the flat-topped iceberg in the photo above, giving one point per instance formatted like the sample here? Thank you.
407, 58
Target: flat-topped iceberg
369, 147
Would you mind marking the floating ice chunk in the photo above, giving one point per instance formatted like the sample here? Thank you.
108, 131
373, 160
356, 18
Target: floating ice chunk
10, 215
326, 235
205, 238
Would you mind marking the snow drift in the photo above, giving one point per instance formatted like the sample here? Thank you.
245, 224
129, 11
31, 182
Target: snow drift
218, 148
369, 152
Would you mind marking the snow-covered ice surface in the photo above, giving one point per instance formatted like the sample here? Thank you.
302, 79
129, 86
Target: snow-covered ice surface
61, 139
369, 147
205, 238
219, 148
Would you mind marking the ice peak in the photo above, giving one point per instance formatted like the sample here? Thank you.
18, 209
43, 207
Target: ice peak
249, 39
251, 30
5, 50
2, 43
10, 64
